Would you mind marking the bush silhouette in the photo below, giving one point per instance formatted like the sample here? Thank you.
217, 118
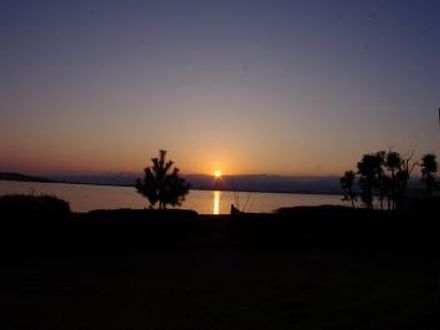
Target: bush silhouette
33, 204
162, 184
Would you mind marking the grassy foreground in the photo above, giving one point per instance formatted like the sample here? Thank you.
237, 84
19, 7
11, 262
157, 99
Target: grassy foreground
305, 268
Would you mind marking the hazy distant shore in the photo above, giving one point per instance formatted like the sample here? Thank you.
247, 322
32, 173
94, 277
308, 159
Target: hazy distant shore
327, 185
258, 183
305, 192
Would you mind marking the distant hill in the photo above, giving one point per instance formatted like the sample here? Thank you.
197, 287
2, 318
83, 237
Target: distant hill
10, 176
269, 183
258, 183
125, 180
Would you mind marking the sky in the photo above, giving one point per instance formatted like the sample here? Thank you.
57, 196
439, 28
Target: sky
245, 87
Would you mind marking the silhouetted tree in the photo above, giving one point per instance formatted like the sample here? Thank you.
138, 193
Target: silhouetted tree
371, 172
162, 183
429, 168
366, 180
393, 161
387, 182
403, 175
347, 182
385, 175
381, 179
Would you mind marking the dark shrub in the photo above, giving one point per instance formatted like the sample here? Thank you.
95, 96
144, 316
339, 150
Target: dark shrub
162, 183
33, 205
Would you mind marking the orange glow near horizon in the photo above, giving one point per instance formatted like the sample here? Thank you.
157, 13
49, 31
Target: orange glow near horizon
221, 163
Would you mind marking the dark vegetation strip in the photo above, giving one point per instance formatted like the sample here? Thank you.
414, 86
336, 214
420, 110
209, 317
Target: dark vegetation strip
45, 222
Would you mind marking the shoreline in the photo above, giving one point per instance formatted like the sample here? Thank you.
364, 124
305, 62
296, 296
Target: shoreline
297, 192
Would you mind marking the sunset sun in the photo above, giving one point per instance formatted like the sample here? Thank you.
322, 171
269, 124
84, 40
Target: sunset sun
218, 174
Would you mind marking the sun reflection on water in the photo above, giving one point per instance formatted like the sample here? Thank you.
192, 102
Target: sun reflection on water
216, 202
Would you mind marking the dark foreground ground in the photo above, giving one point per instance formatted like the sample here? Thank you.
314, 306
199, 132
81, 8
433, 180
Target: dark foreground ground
304, 269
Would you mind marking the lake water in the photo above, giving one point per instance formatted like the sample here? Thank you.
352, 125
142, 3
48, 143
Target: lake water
83, 198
